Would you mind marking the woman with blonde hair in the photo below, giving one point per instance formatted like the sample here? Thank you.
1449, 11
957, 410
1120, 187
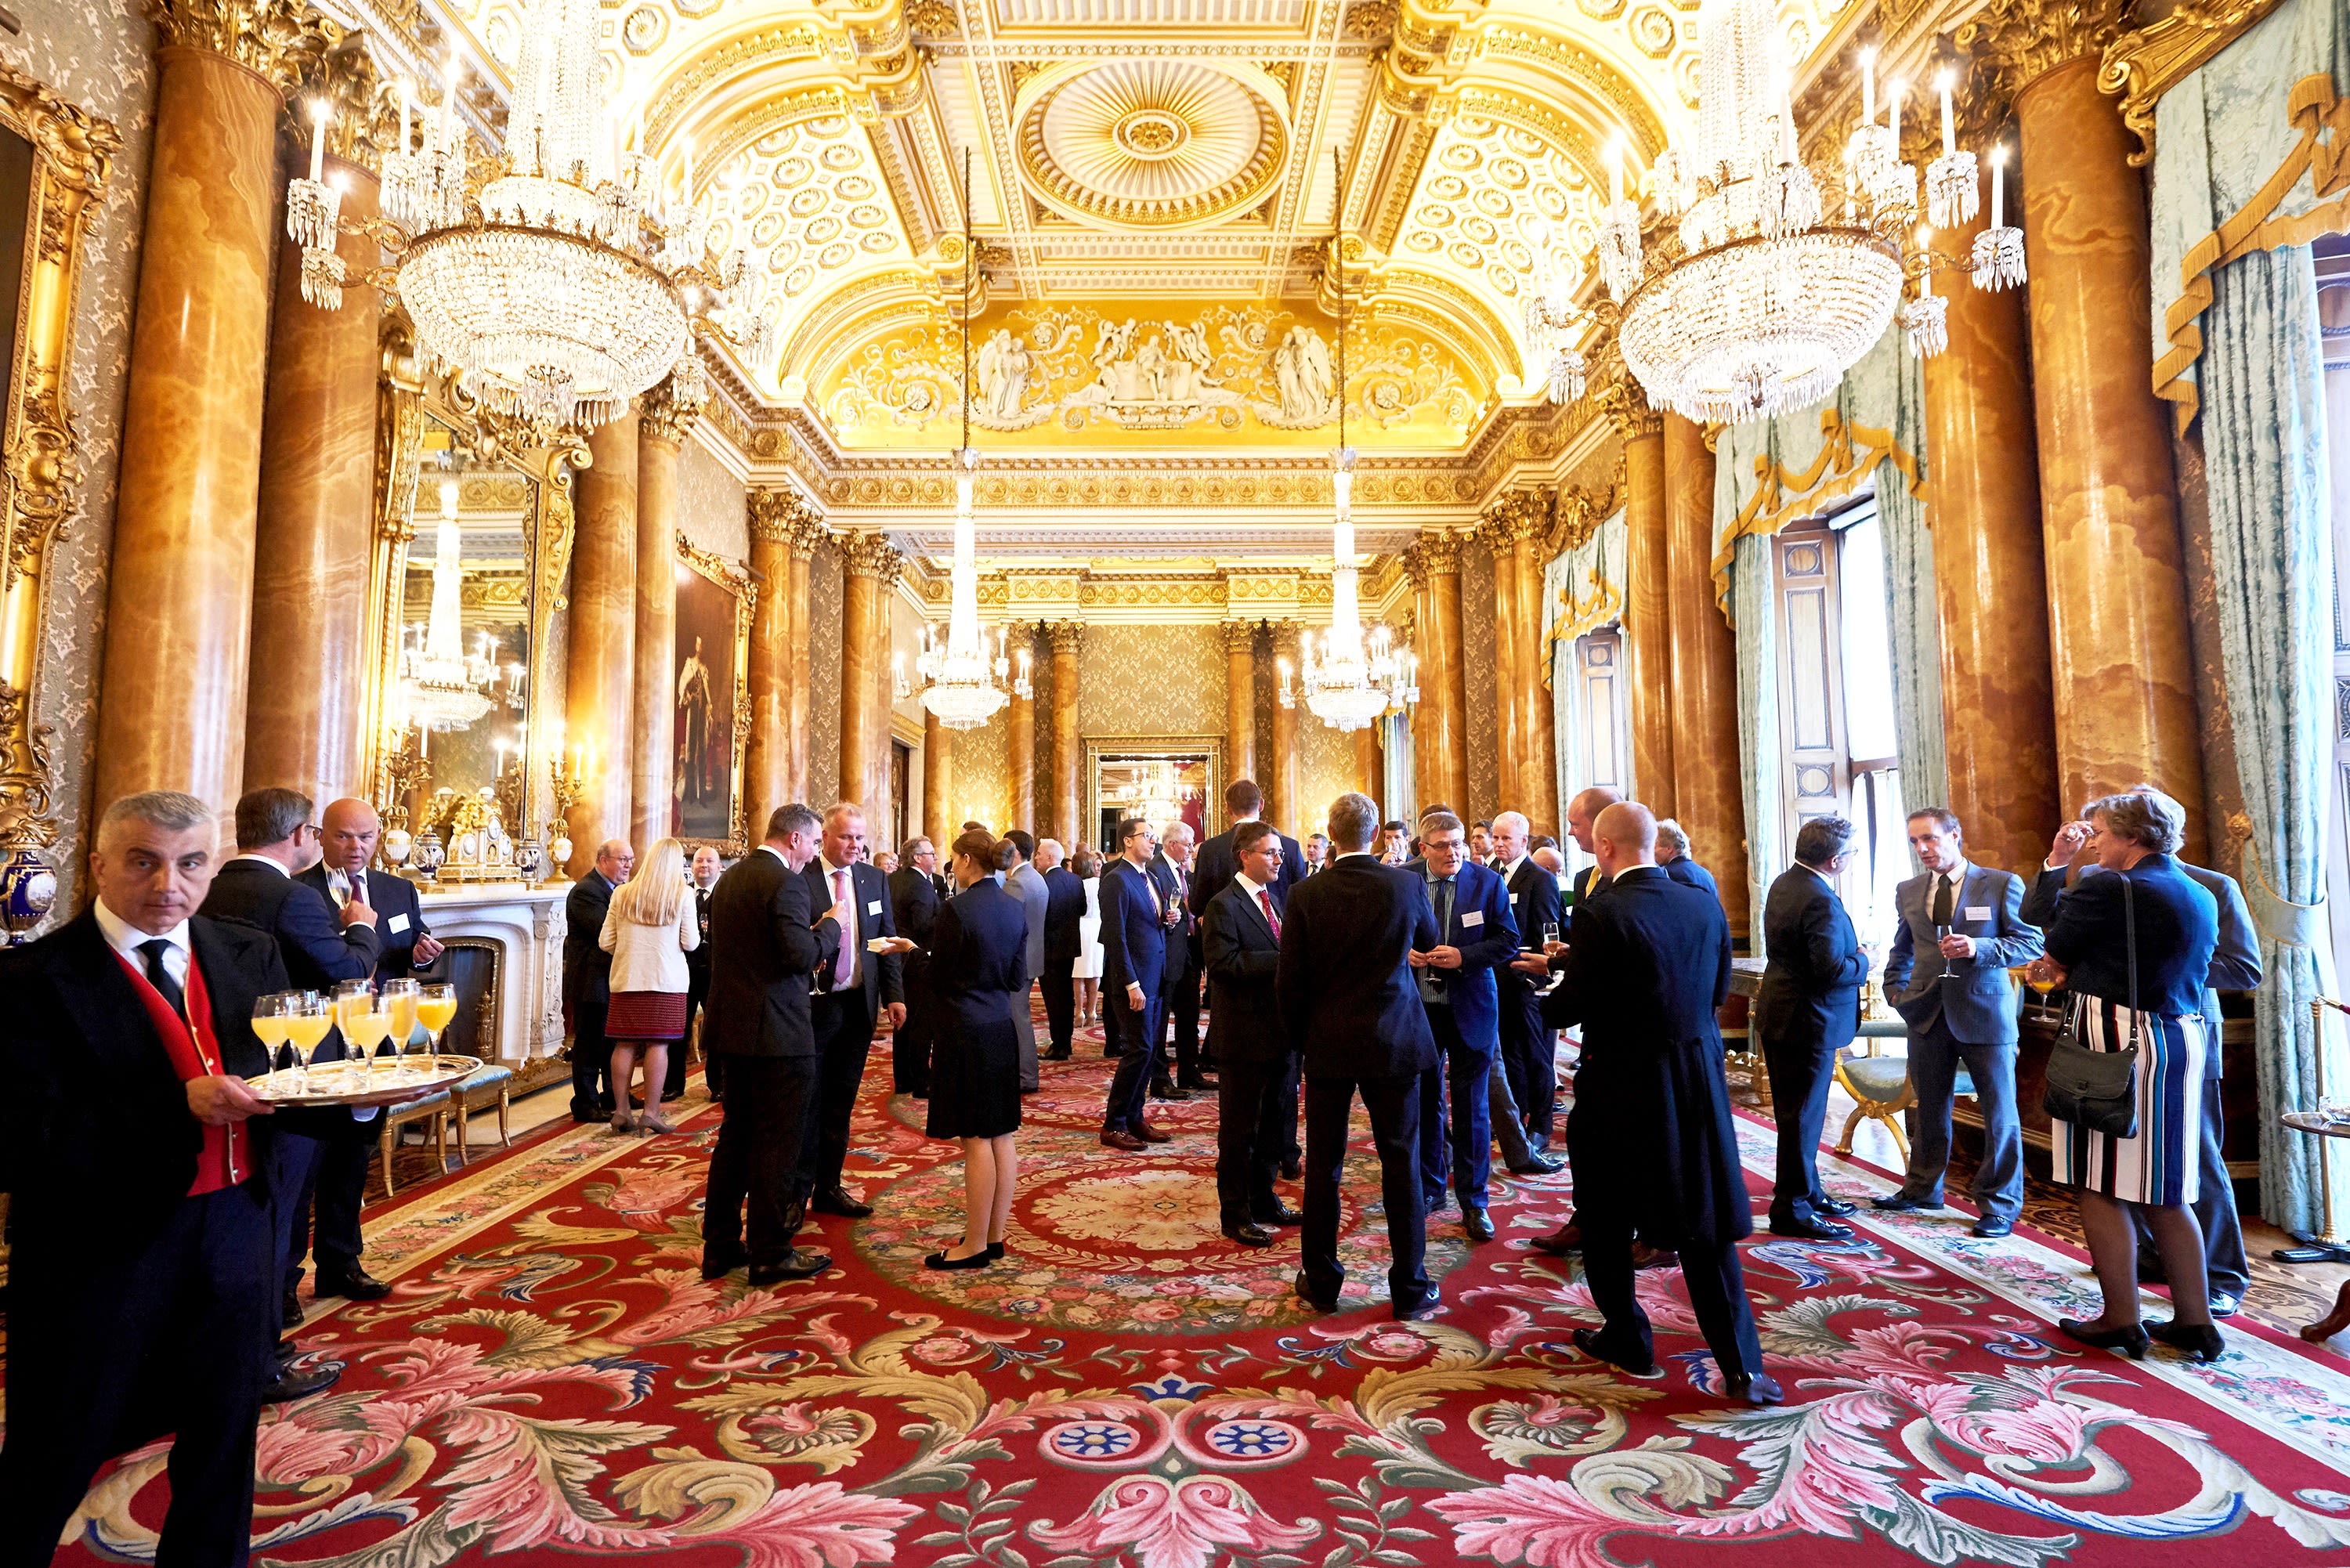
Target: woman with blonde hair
649, 930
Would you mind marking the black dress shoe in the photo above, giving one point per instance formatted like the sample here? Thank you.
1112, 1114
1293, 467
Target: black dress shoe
1165, 1089
1309, 1298
1279, 1214
2130, 1339
299, 1383
359, 1285
1757, 1390
1058, 1053
1197, 1084
1811, 1229
717, 1262
1990, 1228
1902, 1203
796, 1265
1478, 1225
289, 1311
2199, 1340
838, 1201
1539, 1165
995, 1250
1427, 1307
978, 1260
1836, 1207
1588, 1341
1291, 1169
1248, 1233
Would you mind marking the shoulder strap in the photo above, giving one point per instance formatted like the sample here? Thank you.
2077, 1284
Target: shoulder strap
2129, 935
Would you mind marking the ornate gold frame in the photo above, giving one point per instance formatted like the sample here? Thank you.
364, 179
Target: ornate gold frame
738, 582
2139, 67
1210, 746
40, 462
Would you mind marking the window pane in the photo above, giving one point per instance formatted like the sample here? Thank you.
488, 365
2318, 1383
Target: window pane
1868, 651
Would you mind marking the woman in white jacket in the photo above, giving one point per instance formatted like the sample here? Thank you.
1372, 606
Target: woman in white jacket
649, 930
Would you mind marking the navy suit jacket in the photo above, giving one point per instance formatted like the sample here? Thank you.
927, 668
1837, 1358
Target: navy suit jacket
2178, 925
881, 976
1349, 997
392, 897
1134, 944
1213, 868
1243, 958
765, 954
1810, 993
1487, 935
1064, 908
2235, 962
1690, 874
318, 953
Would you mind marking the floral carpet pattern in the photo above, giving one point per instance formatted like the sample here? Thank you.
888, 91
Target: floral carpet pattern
551, 1381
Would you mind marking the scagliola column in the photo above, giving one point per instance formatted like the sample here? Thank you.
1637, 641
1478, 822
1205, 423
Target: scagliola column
599, 688
1538, 787
1240, 700
1068, 755
662, 430
314, 535
171, 696
940, 822
1020, 750
1711, 803
872, 567
1990, 582
1370, 767
1439, 740
1648, 600
1282, 807
808, 531
1493, 531
767, 753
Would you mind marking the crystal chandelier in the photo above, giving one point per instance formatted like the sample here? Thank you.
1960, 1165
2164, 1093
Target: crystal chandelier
1553, 326
959, 679
556, 285
1773, 292
443, 686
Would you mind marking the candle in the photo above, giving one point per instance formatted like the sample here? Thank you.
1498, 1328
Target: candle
407, 101
1615, 171
1868, 86
498, 751
1949, 132
1926, 275
1893, 90
1998, 187
320, 112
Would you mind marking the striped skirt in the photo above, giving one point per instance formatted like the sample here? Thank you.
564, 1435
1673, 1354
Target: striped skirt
2158, 1166
646, 1015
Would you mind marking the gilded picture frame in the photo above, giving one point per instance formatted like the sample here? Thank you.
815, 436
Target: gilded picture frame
1167, 747
710, 725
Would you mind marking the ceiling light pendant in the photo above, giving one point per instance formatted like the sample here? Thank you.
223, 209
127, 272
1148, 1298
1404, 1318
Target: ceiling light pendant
443, 686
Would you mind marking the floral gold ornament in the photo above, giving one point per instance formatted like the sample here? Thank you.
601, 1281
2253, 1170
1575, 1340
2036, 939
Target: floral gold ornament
1153, 142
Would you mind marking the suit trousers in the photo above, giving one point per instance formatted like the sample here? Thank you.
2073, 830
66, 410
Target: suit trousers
1469, 1130
1801, 1072
1529, 1060
319, 1218
844, 1039
1184, 1006
591, 1060
1509, 1123
294, 1161
1934, 1058
756, 1162
107, 1352
1060, 989
1024, 1036
1248, 1137
1137, 1035
2225, 1270
1110, 1012
1394, 1105
1710, 1273
697, 993
1291, 1149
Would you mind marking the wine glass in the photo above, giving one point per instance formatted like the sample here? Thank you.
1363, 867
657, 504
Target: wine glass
269, 1023
308, 1019
1550, 934
366, 1030
353, 998
399, 1007
436, 1005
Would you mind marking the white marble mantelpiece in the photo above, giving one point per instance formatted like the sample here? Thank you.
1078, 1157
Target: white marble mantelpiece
529, 923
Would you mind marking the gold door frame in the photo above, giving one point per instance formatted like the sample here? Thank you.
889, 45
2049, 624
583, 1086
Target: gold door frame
1212, 811
737, 581
73, 156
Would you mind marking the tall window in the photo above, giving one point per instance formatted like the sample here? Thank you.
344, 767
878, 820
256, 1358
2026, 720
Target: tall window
2333, 257
1836, 699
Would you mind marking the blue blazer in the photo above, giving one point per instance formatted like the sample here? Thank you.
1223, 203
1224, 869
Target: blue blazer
1134, 944
2177, 926
1973, 994
1486, 932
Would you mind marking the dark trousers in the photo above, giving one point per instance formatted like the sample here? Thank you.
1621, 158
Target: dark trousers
1111, 1012
843, 1038
1529, 1060
318, 1218
1184, 1006
1711, 1271
1468, 1130
697, 992
1801, 1072
591, 1060
1060, 1003
294, 1162
1024, 1036
1934, 1057
1137, 1035
2225, 1270
756, 1162
1394, 1106
107, 1351
1248, 1137
1290, 1147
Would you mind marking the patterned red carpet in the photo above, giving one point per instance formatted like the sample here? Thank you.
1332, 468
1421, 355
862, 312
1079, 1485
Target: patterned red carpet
551, 1380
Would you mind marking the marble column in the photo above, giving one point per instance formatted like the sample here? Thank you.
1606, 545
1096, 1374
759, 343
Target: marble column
1538, 787
1709, 800
1439, 739
662, 431
314, 537
171, 713
2121, 672
601, 682
872, 567
1282, 807
767, 754
1509, 747
1068, 757
1020, 753
1240, 700
940, 822
1648, 611
1990, 585
807, 533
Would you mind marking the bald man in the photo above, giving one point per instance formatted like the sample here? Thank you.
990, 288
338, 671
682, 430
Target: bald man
588, 977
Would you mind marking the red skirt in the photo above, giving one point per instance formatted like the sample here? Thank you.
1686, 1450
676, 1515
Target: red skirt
646, 1015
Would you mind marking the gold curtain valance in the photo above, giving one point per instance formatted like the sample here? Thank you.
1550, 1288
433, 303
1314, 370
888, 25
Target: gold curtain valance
1848, 455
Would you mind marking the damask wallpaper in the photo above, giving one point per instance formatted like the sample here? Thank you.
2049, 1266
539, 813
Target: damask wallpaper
98, 54
710, 503
1477, 656
824, 676
983, 781
1326, 770
1151, 680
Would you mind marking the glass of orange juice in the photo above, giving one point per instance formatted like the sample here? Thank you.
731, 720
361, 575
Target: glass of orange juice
309, 1017
400, 1005
353, 998
436, 1006
366, 1032
269, 1023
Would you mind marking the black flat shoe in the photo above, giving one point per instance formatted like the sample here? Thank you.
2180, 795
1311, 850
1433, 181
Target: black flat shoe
839, 1200
978, 1260
1309, 1298
291, 1384
1588, 1341
1058, 1056
1540, 1165
2199, 1340
2130, 1339
1990, 1228
1248, 1234
1811, 1229
1164, 1090
995, 1250
1279, 1214
1759, 1389
1478, 1225
796, 1265
1290, 1171
717, 1262
1427, 1307
289, 1311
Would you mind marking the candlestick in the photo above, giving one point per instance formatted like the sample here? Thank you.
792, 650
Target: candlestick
1949, 131
1868, 86
320, 112
1998, 187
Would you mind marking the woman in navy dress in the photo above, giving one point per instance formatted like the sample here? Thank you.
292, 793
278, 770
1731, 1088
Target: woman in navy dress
979, 977
2138, 885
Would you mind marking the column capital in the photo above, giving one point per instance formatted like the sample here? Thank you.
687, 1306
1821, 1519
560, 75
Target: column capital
2014, 42
870, 554
1240, 636
366, 120
669, 411
1578, 514
276, 38
1512, 517
1622, 402
1435, 553
1067, 635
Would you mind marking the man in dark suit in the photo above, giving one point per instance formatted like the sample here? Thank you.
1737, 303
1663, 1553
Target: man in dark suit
767, 949
1025, 883
1673, 855
1350, 1002
857, 989
1960, 928
1806, 1010
1475, 937
703, 870
1240, 937
321, 946
1211, 872
588, 977
1173, 869
1529, 1058
1136, 922
141, 1285
348, 831
1582, 818
1650, 1137
1064, 909
914, 904
1317, 854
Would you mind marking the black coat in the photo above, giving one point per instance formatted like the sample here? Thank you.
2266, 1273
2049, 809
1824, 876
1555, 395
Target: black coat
1213, 868
101, 1146
913, 905
316, 953
1533, 904
881, 976
395, 902
1064, 909
1243, 963
1175, 888
1349, 997
763, 956
587, 967
1651, 1133
979, 962
1810, 993
697, 961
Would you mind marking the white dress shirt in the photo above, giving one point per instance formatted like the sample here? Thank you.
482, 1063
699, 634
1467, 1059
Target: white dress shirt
1957, 877
125, 939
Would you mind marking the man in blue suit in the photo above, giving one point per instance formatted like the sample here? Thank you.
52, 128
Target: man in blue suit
1135, 920
1960, 928
1673, 859
1475, 936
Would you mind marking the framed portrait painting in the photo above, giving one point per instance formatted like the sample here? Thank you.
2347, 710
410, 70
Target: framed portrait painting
710, 720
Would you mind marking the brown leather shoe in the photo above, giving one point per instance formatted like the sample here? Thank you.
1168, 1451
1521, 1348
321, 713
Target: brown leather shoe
1120, 1139
1565, 1242
1647, 1257
1152, 1134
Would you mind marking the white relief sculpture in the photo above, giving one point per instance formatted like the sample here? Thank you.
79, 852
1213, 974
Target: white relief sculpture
1005, 365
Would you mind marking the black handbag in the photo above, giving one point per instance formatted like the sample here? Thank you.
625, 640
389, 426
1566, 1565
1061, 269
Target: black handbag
2096, 1091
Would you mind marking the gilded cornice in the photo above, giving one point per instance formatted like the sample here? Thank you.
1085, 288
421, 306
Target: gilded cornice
782, 515
1622, 402
1512, 515
2014, 42
275, 37
2139, 67
1240, 636
1065, 636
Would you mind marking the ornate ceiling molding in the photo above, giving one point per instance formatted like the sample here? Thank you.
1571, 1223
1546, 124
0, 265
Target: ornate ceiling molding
1152, 143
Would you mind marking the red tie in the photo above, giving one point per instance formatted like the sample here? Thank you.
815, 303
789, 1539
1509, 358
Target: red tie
1271, 918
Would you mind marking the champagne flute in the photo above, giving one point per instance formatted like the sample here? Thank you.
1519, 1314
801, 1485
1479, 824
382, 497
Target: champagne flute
399, 1006
353, 998
436, 1006
269, 1023
367, 1031
308, 1019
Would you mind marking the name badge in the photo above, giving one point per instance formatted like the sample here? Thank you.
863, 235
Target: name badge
1513, 897
1472, 918
1978, 912
396, 925
873, 907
